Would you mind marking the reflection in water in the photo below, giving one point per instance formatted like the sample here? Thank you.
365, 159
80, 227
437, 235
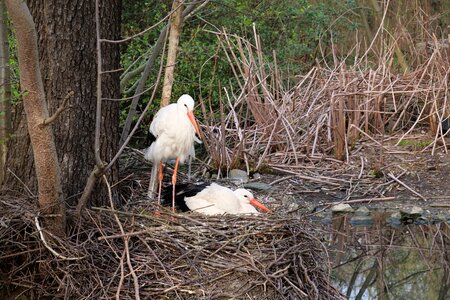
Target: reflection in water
382, 262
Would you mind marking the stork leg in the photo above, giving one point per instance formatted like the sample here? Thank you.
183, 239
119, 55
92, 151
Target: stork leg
189, 168
174, 182
160, 181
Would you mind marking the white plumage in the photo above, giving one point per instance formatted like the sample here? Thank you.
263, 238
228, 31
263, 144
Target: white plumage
217, 200
173, 128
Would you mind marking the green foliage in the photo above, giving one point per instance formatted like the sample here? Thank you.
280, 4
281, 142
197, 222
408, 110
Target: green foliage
377, 173
292, 28
14, 68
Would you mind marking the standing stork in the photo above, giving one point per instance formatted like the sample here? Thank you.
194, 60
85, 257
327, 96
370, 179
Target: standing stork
172, 133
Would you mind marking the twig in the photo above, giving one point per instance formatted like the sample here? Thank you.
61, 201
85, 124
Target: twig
44, 241
122, 275
24, 185
62, 108
440, 205
18, 253
98, 111
126, 250
90, 184
282, 179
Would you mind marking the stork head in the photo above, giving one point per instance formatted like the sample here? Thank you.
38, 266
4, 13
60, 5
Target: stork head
245, 196
186, 104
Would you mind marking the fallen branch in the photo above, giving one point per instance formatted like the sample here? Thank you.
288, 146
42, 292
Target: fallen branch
363, 200
406, 186
440, 205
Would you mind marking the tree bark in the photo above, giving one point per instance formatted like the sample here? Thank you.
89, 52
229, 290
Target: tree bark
46, 162
5, 90
176, 20
67, 52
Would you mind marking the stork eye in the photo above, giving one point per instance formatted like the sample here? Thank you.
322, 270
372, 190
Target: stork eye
185, 105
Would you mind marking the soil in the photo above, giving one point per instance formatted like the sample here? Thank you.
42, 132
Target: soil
401, 176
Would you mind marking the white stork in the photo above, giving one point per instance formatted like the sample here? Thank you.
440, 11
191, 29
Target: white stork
214, 199
173, 131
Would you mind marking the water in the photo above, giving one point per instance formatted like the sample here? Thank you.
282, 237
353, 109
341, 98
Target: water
386, 262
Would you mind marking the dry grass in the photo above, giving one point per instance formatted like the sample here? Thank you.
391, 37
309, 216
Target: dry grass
277, 122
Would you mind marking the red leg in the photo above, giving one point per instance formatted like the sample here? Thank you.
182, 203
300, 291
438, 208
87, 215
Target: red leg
160, 182
174, 182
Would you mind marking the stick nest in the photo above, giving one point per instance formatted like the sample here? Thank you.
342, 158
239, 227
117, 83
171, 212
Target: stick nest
126, 254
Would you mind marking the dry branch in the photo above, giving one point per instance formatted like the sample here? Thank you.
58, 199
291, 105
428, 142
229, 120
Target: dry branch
406, 186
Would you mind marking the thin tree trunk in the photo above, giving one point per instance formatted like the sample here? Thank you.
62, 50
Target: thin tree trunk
5, 90
174, 38
46, 162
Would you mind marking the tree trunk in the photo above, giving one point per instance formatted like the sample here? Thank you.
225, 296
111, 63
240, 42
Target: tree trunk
174, 37
5, 90
46, 162
67, 52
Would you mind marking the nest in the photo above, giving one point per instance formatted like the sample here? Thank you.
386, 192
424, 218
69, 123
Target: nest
137, 254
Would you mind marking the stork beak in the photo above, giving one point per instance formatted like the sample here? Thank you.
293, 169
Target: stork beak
258, 204
191, 117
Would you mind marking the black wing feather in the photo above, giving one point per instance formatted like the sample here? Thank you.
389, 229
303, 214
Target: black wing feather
150, 138
182, 190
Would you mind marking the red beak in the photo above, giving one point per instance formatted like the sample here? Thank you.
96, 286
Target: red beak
191, 117
258, 204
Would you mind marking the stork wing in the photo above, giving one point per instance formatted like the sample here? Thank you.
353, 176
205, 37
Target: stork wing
163, 119
214, 198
